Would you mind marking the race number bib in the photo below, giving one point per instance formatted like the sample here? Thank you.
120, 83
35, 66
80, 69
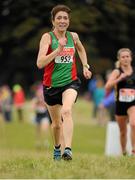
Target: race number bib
64, 59
66, 56
126, 95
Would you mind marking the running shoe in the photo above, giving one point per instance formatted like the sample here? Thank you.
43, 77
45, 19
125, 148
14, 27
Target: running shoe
57, 154
67, 155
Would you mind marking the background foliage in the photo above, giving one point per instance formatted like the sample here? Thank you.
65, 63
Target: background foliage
103, 26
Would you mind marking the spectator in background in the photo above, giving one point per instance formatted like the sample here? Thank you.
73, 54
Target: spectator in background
109, 103
123, 79
19, 100
42, 118
6, 103
91, 88
97, 93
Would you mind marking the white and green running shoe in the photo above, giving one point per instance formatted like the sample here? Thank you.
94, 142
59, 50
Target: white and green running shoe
67, 155
57, 154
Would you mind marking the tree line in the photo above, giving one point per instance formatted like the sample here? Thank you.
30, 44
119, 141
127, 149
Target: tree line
103, 27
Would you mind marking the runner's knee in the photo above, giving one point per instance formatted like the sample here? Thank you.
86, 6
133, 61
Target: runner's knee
66, 111
56, 125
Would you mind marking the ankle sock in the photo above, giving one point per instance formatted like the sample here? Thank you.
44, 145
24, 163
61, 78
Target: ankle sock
68, 148
57, 147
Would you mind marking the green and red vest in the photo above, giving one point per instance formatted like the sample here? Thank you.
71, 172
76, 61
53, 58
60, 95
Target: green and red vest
62, 70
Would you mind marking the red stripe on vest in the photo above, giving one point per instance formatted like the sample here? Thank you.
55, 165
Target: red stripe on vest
48, 70
74, 71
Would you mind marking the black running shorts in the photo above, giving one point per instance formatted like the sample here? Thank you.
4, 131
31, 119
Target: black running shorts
53, 95
121, 108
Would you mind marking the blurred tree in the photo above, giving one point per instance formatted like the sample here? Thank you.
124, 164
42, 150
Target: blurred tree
103, 26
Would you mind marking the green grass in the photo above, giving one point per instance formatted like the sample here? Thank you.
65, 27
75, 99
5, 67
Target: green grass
20, 159
29, 164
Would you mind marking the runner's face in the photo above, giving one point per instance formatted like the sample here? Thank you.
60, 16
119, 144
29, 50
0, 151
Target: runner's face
125, 58
61, 21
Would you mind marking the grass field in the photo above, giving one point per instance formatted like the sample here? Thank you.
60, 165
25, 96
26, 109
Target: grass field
20, 159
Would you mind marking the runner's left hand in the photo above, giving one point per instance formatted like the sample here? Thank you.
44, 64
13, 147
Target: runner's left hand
87, 73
